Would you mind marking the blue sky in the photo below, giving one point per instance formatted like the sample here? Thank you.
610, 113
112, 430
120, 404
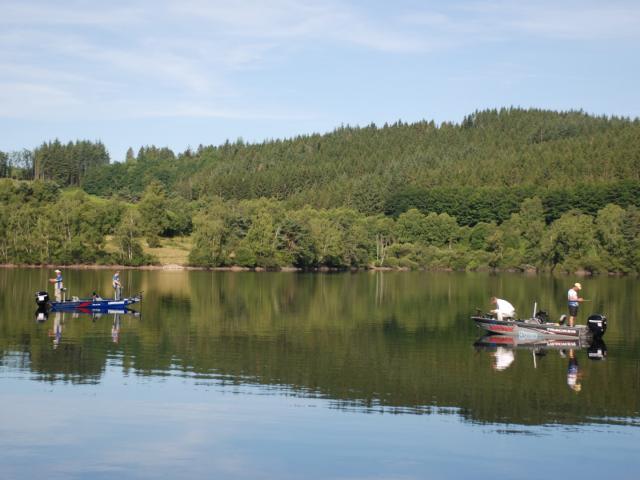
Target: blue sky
190, 72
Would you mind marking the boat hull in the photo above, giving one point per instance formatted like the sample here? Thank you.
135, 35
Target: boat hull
94, 305
531, 329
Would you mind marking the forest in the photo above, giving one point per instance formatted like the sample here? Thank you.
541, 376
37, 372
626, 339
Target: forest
508, 189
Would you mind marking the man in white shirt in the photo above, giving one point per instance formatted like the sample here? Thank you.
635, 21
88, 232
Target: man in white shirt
504, 310
574, 302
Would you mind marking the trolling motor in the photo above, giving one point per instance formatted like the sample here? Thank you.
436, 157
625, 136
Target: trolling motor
597, 324
42, 299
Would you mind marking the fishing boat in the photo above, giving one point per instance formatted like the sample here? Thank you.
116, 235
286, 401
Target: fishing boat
88, 304
538, 326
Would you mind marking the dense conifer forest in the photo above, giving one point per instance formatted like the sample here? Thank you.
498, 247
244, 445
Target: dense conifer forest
504, 189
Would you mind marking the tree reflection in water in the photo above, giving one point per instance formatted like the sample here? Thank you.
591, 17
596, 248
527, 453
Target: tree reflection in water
370, 341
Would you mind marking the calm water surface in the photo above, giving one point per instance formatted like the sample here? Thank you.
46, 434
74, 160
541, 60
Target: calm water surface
281, 375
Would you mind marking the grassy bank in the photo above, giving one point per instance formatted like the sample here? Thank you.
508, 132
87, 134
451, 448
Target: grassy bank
172, 251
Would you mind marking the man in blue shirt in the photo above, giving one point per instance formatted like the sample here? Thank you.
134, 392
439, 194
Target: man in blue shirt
57, 285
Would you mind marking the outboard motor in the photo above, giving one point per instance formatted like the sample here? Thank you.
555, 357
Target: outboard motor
42, 299
597, 324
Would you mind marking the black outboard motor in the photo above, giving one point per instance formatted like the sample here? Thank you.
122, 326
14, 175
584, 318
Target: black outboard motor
42, 299
597, 324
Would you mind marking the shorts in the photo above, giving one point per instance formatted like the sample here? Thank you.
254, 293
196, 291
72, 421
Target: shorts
573, 310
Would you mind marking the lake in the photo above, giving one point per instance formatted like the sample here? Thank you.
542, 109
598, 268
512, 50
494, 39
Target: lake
316, 376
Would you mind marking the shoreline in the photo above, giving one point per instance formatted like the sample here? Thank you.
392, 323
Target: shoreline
177, 267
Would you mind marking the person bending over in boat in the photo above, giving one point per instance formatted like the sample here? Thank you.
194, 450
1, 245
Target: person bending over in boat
574, 302
504, 310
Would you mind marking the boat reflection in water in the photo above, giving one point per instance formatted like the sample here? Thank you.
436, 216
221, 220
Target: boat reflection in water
61, 317
502, 349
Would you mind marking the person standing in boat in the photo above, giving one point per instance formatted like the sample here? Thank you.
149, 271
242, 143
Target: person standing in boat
504, 310
574, 302
117, 286
57, 285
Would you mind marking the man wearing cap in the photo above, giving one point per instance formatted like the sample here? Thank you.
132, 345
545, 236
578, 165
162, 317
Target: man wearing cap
574, 302
57, 285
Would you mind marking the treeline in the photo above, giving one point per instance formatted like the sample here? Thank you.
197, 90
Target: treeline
477, 171
368, 168
471, 205
264, 233
416, 195
128, 179
17, 165
64, 164
39, 224
67, 164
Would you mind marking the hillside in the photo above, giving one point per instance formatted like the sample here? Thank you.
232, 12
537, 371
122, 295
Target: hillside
509, 189
367, 168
